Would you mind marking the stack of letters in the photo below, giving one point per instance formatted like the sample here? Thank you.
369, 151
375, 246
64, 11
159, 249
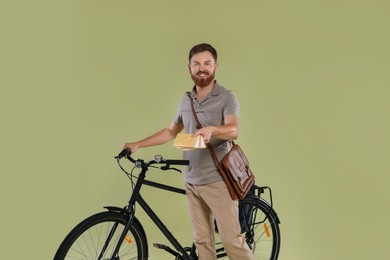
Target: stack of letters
188, 142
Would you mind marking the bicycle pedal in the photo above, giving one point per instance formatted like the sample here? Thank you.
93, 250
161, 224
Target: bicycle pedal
159, 246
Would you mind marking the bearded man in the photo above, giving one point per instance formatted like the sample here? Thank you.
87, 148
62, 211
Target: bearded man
207, 195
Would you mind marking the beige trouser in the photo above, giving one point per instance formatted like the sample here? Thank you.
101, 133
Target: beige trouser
206, 202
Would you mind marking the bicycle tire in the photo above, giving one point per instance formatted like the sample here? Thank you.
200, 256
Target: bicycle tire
260, 225
86, 240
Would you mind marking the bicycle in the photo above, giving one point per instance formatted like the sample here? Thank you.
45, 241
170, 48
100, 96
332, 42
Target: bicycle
117, 233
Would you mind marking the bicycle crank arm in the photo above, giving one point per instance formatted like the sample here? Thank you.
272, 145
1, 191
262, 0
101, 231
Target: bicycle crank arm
166, 248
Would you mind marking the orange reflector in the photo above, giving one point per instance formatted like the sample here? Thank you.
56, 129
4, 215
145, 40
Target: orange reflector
266, 230
128, 239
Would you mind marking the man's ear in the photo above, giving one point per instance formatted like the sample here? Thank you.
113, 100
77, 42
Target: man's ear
189, 68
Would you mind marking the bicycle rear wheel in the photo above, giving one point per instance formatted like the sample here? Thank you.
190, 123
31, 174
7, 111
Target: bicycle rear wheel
260, 225
97, 236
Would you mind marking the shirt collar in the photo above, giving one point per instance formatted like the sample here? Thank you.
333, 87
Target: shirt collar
217, 89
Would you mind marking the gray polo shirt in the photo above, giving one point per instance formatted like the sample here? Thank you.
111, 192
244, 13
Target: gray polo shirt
211, 112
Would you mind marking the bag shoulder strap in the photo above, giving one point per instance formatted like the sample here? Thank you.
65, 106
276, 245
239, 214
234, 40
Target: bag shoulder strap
199, 126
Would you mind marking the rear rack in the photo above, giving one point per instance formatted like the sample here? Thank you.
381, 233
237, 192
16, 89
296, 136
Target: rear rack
257, 191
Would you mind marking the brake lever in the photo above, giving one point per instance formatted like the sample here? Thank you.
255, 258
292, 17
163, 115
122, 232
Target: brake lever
175, 169
168, 167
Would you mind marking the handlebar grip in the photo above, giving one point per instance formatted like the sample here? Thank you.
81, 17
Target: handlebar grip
123, 153
177, 162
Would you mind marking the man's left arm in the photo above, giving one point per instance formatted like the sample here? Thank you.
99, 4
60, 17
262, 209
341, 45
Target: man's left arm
228, 131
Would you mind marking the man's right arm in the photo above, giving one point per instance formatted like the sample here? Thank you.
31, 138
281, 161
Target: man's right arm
161, 137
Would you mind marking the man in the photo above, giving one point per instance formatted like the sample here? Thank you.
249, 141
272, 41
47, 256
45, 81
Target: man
207, 194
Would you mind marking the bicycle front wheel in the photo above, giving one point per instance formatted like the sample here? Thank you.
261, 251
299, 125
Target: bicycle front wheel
97, 236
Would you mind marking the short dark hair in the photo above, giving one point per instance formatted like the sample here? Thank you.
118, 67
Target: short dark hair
201, 48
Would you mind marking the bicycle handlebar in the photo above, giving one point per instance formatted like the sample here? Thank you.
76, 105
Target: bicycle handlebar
177, 162
158, 160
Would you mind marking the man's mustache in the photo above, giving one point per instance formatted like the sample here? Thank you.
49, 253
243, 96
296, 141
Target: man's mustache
202, 72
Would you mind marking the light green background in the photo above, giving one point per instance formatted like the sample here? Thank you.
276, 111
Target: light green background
80, 78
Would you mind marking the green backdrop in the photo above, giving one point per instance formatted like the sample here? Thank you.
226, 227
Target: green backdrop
79, 78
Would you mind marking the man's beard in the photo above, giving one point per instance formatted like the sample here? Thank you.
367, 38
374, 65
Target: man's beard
203, 82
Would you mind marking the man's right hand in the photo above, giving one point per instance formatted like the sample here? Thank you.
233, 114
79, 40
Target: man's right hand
132, 146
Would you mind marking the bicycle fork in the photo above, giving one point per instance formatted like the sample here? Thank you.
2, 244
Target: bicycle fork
113, 229
130, 211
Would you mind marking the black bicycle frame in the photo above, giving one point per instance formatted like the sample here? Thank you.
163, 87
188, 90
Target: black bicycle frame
136, 197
